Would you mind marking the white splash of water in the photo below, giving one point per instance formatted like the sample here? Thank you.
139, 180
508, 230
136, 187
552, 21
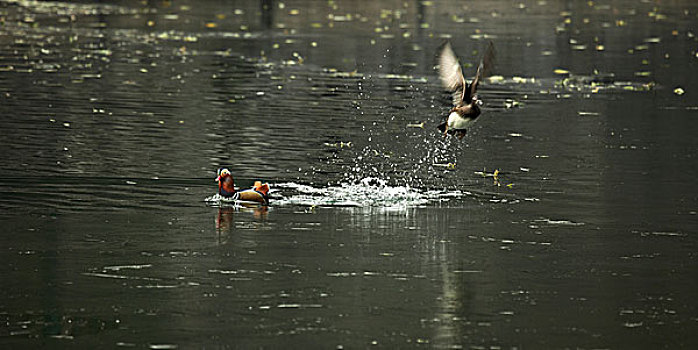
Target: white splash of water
217, 200
368, 192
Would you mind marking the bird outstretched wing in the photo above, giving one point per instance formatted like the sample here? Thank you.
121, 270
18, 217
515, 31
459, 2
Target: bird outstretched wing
451, 74
483, 70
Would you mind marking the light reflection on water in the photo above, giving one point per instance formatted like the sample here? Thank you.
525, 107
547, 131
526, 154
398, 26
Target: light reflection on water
564, 219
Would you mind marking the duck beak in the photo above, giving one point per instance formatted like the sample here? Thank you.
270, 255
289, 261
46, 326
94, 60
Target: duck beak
218, 178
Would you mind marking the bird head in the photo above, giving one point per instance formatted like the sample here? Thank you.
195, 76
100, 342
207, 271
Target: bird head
222, 173
476, 100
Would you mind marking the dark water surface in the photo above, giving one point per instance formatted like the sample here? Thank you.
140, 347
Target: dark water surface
115, 115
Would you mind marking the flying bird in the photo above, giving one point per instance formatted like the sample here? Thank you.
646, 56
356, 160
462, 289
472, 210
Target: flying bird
466, 103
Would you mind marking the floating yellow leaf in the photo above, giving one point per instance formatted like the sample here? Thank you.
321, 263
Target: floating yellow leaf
561, 71
449, 166
679, 91
342, 144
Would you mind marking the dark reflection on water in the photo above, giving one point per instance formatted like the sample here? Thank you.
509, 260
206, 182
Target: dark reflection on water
566, 218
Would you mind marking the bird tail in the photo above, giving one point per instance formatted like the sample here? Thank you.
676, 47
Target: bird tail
442, 127
261, 188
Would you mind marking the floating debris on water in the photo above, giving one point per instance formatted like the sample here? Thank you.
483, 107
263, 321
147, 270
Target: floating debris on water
449, 166
601, 81
340, 144
484, 173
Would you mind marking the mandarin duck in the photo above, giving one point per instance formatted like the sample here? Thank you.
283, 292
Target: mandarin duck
466, 105
226, 188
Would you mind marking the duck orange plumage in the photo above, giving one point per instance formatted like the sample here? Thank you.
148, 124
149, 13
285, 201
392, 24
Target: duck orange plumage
226, 188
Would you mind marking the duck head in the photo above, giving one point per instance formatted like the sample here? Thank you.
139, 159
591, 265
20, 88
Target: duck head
476, 100
226, 185
222, 174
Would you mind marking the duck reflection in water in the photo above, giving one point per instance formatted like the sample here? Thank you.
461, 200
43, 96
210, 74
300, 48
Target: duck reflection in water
225, 223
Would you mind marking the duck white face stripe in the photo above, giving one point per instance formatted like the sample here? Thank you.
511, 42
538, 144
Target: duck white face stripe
222, 172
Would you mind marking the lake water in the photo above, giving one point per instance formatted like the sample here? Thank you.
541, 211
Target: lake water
566, 218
